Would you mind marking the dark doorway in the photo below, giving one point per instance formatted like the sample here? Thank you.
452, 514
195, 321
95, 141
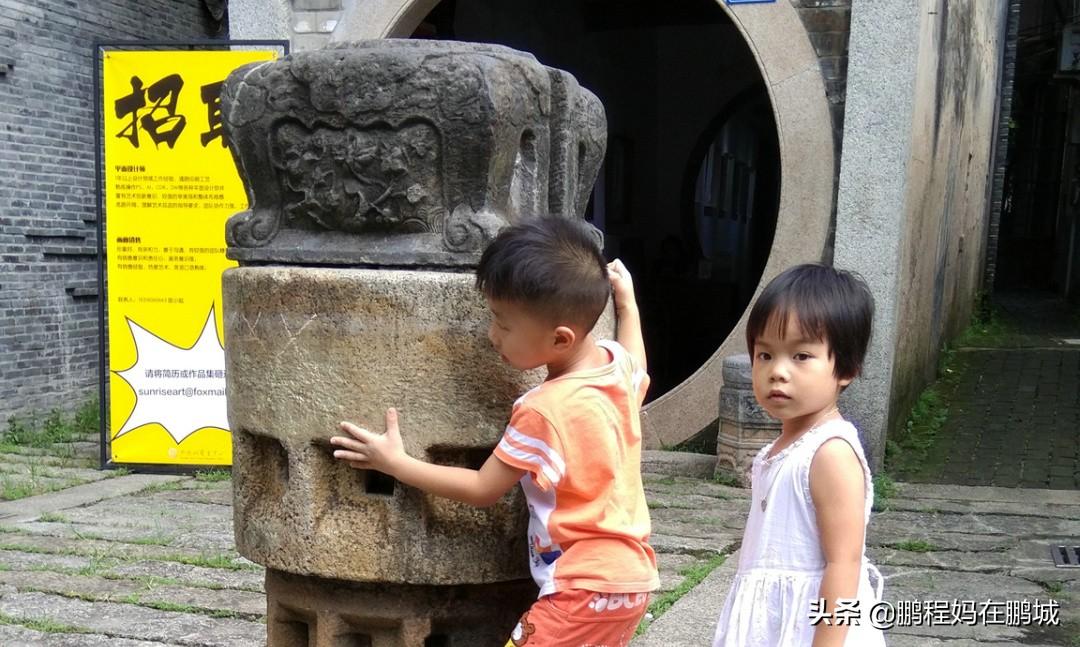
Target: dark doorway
688, 194
1039, 230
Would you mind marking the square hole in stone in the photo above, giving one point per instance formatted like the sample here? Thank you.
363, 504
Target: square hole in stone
375, 482
353, 640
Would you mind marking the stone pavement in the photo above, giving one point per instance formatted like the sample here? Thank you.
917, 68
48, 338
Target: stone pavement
1014, 404
147, 561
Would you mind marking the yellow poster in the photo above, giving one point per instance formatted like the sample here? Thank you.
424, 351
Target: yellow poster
170, 185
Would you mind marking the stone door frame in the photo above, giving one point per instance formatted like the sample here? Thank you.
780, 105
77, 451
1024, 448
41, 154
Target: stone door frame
790, 69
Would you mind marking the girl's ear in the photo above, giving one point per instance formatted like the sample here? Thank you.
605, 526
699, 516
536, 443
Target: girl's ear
564, 338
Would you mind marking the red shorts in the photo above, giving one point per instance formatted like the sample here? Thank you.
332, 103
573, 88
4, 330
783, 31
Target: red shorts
578, 618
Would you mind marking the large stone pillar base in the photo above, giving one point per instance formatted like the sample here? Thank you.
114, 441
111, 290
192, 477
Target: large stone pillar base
316, 612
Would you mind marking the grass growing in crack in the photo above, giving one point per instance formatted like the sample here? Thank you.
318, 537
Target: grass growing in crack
53, 517
213, 476
915, 546
160, 605
42, 625
168, 486
692, 576
211, 561
884, 491
726, 478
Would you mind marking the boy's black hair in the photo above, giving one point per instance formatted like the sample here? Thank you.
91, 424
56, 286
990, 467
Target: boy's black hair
834, 306
552, 265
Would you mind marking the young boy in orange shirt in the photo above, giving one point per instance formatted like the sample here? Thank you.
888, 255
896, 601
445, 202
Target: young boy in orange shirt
573, 443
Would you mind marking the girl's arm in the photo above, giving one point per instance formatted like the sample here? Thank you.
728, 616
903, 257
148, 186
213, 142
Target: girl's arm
838, 490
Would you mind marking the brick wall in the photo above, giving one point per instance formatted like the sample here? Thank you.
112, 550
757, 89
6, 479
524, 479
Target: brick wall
828, 23
48, 235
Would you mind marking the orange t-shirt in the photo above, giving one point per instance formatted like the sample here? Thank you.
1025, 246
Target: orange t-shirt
579, 438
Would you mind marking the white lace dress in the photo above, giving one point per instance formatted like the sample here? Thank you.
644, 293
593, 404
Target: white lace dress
781, 563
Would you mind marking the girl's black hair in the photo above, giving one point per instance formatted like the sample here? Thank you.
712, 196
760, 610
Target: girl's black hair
834, 306
552, 265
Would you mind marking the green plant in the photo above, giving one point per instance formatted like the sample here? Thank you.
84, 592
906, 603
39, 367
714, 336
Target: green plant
52, 517
692, 576
884, 491
87, 419
726, 478
915, 546
43, 625
213, 476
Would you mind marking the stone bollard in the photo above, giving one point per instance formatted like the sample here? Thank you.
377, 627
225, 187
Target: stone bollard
744, 426
377, 172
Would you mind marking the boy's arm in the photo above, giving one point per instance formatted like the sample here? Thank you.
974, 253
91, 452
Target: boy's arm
628, 329
838, 490
364, 450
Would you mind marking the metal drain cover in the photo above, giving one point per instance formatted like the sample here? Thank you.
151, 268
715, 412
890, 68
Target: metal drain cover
1066, 556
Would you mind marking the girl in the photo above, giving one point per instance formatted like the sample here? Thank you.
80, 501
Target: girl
803, 578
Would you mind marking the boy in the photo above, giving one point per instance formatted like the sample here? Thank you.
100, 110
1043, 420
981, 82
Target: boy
573, 443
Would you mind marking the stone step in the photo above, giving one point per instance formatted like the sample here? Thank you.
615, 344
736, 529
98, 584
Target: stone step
134, 622
86, 546
28, 509
18, 636
699, 466
109, 567
247, 605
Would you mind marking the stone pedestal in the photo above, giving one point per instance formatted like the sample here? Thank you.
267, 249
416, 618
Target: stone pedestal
369, 166
313, 612
744, 426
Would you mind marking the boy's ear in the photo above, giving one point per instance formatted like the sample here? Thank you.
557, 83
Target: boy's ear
564, 337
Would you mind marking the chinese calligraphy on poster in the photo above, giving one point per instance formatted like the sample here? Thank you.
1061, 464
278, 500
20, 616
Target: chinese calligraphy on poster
170, 184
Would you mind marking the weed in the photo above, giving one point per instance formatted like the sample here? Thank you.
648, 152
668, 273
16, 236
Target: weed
213, 476
884, 491
87, 419
210, 561
53, 517
43, 625
692, 576
915, 546
724, 477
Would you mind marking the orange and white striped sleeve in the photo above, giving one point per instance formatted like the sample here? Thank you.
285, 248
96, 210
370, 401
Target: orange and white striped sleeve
531, 443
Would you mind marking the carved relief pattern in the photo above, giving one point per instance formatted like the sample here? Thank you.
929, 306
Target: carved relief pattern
357, 180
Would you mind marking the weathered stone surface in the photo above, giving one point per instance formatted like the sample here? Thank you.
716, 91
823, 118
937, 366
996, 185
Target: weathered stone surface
135, 622
307, 348
17, 511
744, 426
404, 152
250, 605
678, 464
17, 636
324, 613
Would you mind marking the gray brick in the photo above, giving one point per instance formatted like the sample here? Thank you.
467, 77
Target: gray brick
48, 236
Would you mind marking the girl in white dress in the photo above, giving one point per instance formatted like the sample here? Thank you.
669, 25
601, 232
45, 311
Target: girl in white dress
803, 578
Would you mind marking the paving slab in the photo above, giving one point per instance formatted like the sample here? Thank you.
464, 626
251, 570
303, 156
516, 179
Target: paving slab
30, 509
135, 622
248, 605
17, 636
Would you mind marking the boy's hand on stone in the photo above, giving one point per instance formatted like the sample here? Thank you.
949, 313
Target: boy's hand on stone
621, 284
363, 449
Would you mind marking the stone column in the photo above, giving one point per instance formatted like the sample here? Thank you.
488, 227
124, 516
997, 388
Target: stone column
377, 172
872, 200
